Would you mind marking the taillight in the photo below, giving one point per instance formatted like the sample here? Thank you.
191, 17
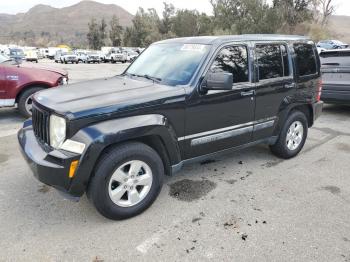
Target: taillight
319, 91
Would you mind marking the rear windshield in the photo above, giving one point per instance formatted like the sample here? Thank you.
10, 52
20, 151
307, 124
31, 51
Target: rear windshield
305, 59
335, 58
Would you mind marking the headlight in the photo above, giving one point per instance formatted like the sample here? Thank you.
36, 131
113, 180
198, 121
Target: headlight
64, 81
57, 131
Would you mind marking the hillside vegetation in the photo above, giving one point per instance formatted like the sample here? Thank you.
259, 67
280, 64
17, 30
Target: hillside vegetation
46, 25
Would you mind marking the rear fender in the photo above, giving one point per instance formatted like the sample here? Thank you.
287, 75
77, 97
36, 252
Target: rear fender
284, 112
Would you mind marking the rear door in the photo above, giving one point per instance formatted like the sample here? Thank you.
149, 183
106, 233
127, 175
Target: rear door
274, 84
307, 67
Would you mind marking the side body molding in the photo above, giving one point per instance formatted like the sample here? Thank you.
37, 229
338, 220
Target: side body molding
99, 136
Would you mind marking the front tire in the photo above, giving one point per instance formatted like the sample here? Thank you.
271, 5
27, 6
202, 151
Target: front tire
25, 101
292, 137
127, 180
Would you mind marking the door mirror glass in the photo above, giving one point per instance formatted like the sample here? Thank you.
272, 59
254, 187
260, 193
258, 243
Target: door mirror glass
218, 81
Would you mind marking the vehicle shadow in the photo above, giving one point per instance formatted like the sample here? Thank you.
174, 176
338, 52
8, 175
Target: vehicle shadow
11, 114
46, 202
343, 110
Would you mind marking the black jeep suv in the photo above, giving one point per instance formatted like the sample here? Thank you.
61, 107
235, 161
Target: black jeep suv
182, 100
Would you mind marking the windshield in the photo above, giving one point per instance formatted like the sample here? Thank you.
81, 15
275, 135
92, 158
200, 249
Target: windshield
173, 64
16, 52
4, 59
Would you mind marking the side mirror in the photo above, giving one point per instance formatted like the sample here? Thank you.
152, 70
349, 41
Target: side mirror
218, 81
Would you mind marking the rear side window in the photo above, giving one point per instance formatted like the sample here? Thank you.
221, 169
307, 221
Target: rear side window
272, 61
305, 59
234, 60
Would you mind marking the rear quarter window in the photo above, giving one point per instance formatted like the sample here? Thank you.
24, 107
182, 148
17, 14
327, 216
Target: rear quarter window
305, 59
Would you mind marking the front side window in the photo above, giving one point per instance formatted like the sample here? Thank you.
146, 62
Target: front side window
234, 60
270, 61
305, 59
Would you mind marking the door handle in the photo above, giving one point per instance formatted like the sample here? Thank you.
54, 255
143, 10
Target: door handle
289, 86
248, 93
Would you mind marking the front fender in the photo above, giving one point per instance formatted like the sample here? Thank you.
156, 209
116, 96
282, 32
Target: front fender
101, 135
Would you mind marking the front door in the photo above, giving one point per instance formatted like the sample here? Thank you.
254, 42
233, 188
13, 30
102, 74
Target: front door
217, 120
3, 83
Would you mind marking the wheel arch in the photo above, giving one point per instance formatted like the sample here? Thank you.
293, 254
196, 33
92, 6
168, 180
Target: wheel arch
306, 109
29, 86
152, 130
154, 141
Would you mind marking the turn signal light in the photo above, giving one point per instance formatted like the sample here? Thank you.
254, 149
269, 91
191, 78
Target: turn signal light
73, 167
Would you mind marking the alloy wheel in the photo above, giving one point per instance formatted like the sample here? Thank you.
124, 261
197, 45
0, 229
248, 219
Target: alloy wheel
130, 183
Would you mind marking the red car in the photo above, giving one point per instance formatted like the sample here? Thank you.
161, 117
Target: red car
19, 83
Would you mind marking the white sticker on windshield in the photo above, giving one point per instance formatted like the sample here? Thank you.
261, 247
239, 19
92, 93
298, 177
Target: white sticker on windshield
193, 47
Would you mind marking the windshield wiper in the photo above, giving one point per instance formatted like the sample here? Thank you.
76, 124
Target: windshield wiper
153, 78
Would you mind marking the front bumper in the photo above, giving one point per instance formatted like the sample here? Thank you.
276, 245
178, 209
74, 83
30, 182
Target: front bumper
49, 166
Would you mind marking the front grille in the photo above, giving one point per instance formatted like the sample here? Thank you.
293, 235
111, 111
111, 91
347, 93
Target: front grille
41, 125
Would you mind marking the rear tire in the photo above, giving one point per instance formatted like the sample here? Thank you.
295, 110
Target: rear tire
119, 191
24, 101
292, 136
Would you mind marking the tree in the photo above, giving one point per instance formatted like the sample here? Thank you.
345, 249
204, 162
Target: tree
145, 28
244, 16
102, 32
186, 23
166, 23
225, 13
323, 9
127, 36
115, 32
93, 35
292, 12
256, 16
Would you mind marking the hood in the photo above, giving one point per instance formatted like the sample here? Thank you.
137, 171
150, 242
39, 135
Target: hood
50, 69
106, 96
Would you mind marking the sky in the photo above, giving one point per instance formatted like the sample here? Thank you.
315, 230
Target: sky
16, 6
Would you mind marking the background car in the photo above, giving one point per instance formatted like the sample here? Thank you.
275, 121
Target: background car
93, 58
19, 83
31, 56
57, 56
16, 54
335, 67
119, 56
331, 44
131, 56
82, 57
69, 57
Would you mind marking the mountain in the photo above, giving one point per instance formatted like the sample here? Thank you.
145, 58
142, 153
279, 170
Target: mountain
339, 26
46, 25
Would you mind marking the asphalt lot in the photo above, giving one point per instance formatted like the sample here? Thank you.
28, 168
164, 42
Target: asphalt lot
246, 206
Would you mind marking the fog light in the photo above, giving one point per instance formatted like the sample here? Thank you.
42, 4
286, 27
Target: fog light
73, 167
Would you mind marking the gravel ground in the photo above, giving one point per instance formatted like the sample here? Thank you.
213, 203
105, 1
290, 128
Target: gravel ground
245, 206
